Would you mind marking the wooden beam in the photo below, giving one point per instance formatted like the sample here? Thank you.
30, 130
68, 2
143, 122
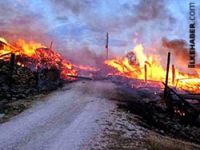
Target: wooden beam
79, 77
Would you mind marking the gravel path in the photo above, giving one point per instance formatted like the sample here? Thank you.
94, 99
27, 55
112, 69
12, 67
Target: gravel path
63, 120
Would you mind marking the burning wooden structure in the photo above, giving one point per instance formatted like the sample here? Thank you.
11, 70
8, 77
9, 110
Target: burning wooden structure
28, 68
186, 109
37, 57
48, 65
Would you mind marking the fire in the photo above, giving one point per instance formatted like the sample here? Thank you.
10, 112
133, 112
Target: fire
36, 56
136, 64
123, 67
29, 48
87, 68
131, 67
3, 40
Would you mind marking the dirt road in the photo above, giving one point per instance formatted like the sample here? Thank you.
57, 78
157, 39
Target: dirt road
63, 120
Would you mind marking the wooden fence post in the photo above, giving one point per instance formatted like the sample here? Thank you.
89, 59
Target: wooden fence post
12, 65
167, 74
173, 74
145, 72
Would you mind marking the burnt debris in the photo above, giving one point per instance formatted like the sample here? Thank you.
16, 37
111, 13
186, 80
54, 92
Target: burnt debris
19, 82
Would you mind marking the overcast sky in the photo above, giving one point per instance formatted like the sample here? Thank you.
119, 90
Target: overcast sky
76, 24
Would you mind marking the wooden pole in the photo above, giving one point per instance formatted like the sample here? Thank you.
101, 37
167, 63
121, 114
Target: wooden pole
12, 61
167, 74
145, 72
107, 40
51, 45
173, 74
12, 64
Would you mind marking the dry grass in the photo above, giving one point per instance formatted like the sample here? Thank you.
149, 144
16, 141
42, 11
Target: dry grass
165, 143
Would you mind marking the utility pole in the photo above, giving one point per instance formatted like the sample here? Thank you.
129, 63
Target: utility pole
107, 40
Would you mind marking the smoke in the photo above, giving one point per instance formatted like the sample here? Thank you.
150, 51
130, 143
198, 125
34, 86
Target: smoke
79, 27
74, 6
19, 20
179, 50
151, 20
148, 11
86, 57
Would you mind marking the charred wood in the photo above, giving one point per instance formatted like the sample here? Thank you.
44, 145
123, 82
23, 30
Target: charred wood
167, 74
178, 106
80, 77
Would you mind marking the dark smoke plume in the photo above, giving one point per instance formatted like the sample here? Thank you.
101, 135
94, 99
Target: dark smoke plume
179, 50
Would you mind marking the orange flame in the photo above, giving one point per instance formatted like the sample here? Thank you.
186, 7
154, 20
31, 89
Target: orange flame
87, 68
37, 56
29, 48
124, 66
